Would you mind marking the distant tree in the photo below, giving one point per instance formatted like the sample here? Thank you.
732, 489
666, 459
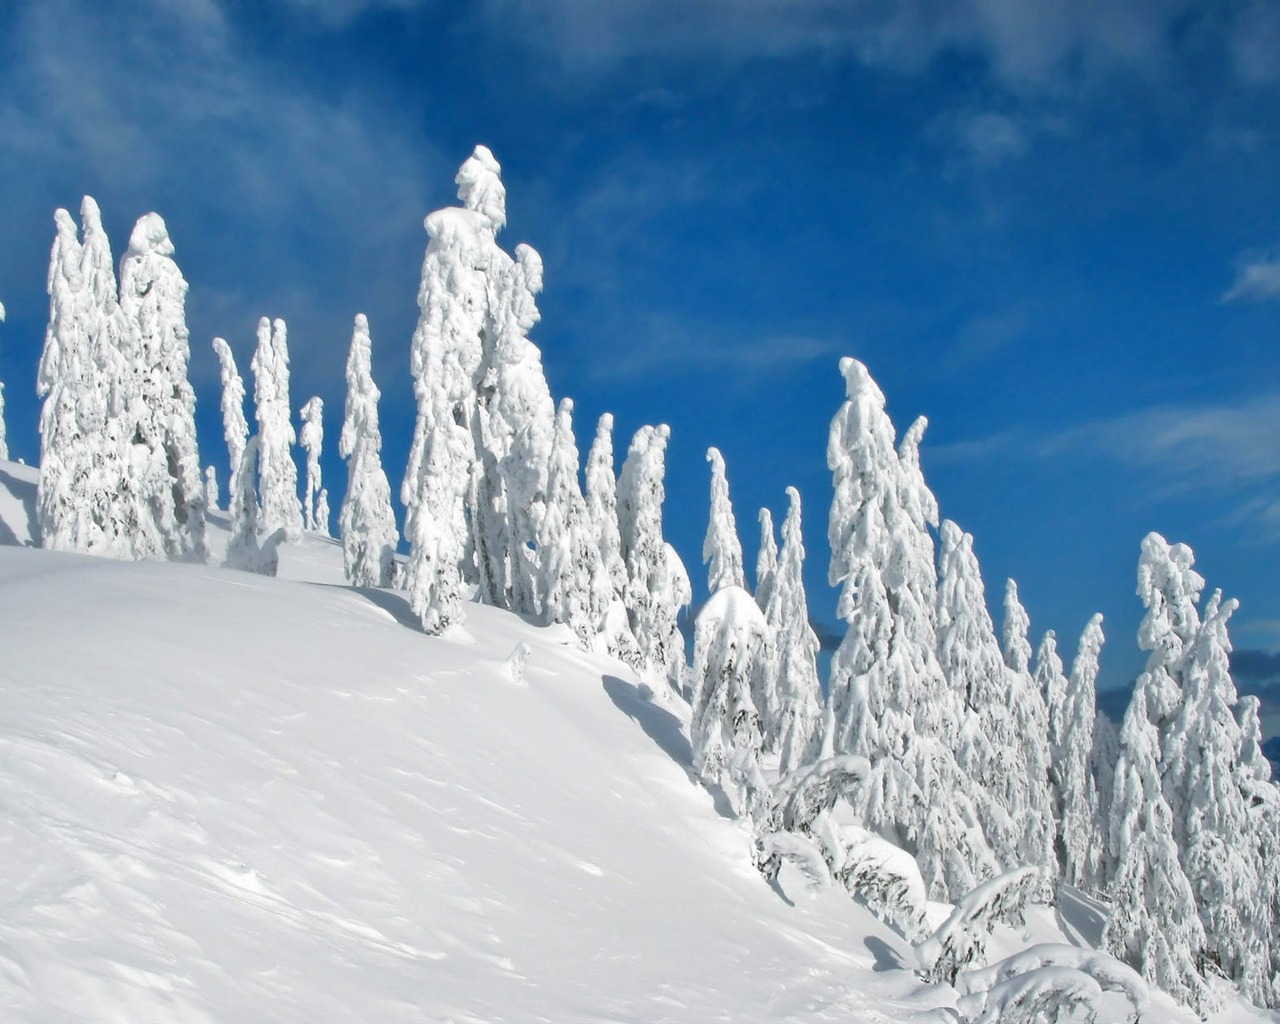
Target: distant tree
366, 523
722, 550
277, 472
1079, 828
766, 559
235, 427
211, 496
245, 550
1031, 719
311, 438
160, 427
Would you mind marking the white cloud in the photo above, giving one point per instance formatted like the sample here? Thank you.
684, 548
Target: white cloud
1257, 280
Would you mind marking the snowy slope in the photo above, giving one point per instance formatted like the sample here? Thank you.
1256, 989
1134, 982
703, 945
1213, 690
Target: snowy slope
226, 797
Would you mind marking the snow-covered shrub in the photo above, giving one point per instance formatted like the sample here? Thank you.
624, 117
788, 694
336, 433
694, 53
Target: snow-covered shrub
961, 941
1046, 995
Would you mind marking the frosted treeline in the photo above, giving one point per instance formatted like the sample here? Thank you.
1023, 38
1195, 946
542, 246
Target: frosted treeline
943, 759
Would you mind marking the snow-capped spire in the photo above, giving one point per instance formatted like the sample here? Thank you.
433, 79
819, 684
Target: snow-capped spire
1017, 624
722, 550
766, 558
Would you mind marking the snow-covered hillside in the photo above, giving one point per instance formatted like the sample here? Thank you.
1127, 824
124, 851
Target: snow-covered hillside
228, 797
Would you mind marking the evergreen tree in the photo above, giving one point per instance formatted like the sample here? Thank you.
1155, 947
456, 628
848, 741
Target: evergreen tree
575, 585
602, 506
235, 427
1153, 925
277, 472
1051, 682
797, 726
311, 438
1078, 832
159, 426
766, 559
211, 496
721, 549
657, 583
366, 523
729, 635
245, 549
1031, 720
889, 700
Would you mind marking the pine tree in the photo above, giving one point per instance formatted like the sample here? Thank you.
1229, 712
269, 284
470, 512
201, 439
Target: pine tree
211, 496
889, 700
235, 427
1051, 683
1078, 832
797, 727
160, 419
657, 583
766, 559
1153, 926
729, 635
434, 575
1031, 719
277, 472
366, 523
245, 549
721, 549
311, 438
602, 503
575, 585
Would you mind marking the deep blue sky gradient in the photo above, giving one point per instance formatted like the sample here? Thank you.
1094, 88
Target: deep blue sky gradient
1029, 220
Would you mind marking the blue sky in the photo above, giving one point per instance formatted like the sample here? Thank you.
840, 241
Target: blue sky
1053, 227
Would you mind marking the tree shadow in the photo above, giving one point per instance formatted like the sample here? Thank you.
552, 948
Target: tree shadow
25, 492
887, 958
393, 602
665, 730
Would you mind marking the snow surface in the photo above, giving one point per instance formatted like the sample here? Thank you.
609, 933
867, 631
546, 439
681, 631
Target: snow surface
227, 797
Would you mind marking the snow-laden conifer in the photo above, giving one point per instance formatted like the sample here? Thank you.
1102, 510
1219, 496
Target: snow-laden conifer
277, 472
657, 583
311, 439
766, 559
602, 503
234, 426
1031, 719
1170, 590
575, 585
722, 550
1079, 826
434, 578
1153, 925
366, 523
798, 716
160, 418
516, 434
889, 700
1203, 748
246, 549
971, 659
730, 633
211, 496
1051, 683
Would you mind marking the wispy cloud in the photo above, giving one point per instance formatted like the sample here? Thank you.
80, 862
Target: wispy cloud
1257, 280
982, 337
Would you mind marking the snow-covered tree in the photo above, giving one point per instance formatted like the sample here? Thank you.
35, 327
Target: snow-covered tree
1203, 746
211, 496
889, 700
366, 523
311, 438
1079, 826
1031, 719
277, 472
1170, 590
575, 586
434, 575
722, 550
766, 559
159, 422
1051, 683
246, 550
88, 497
657, 583
972, 661
602, 503
1153, 925
234, 426
797, 719
730, 633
